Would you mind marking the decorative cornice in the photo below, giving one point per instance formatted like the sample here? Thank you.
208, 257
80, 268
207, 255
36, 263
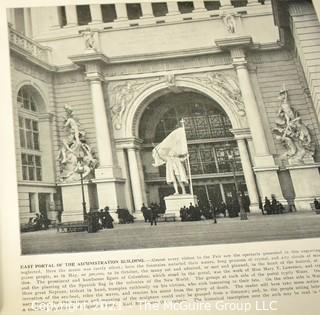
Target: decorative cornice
230, 42
241, 133
129, 143
94, 57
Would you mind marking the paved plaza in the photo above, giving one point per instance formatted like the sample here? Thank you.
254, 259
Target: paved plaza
169, 234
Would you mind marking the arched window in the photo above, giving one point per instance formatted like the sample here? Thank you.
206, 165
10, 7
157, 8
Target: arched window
29, 135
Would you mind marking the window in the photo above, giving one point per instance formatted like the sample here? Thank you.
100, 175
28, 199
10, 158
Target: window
26, 100
62, 16
32, 202
201, 122
108, 13
185, 6
212, 5
159, 8
239, 3
31, 167
134, 11
83, 14
29, 133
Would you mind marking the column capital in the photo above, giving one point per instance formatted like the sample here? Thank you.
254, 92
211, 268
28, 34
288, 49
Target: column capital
93, 63
241, 133
237, 46
131, 143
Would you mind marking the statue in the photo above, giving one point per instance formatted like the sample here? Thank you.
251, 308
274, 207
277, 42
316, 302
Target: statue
292, 132
229, 22
74, 146
172, 152
89, 39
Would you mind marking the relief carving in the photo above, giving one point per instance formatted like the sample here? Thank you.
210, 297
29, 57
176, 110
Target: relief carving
292, 132
122, 95
223, 85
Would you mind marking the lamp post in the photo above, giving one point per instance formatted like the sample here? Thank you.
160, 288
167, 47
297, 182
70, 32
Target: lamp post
80, 170
230, 153
214, 212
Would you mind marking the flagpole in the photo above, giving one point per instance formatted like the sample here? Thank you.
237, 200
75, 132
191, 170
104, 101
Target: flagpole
188, 160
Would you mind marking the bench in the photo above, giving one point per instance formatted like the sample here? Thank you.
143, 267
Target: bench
313, 208
76, 226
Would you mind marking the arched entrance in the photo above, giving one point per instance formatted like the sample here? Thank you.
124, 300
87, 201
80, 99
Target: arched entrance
208, 132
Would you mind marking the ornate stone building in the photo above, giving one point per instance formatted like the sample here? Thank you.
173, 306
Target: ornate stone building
95, 87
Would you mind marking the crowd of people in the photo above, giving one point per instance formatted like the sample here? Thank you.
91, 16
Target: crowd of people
273, 207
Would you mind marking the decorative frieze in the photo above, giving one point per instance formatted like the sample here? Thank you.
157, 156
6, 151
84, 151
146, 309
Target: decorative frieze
122, 94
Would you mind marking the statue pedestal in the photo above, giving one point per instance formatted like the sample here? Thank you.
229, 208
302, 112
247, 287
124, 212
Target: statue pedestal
175, 202
72, 201
306, 183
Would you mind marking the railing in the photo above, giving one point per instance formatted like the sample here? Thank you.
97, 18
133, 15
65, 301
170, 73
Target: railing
136, 14
28, 45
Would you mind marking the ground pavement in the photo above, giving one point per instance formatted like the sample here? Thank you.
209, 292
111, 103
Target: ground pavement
167, 234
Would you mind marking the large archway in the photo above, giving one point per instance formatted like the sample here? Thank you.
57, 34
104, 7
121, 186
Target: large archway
208, 131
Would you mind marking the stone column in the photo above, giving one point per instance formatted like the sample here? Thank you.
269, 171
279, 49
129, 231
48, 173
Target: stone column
104, 143
136, 183
71, 15
11, 17
199, 6
110, 184
96, 14
173, 8
253, 3
55, 19
27, 22
147, 11
121, 11
226, 4
249, 176
265, 168
252, 109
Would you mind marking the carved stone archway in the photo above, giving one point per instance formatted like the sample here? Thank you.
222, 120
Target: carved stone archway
132, 117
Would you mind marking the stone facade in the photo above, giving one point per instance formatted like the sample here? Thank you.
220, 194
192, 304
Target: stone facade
112, 81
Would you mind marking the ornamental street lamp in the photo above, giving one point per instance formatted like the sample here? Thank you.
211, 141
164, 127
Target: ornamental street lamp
231, 158
80, 171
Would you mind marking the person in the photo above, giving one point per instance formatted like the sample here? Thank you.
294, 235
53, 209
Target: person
222, 208
145, 213
274, 205
316, 203
267, 206
154, 214
108, 218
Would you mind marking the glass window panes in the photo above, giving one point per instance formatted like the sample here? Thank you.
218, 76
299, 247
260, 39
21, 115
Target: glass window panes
31, 167
26, 100
29, 133
201, 122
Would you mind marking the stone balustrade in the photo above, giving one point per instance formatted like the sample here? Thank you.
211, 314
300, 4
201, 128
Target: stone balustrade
28, 45
136, 14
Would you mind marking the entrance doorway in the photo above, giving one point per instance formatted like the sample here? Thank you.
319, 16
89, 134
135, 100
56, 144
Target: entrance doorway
209, 139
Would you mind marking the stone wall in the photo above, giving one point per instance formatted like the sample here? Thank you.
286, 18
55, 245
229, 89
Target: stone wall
273, 69
305, 28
